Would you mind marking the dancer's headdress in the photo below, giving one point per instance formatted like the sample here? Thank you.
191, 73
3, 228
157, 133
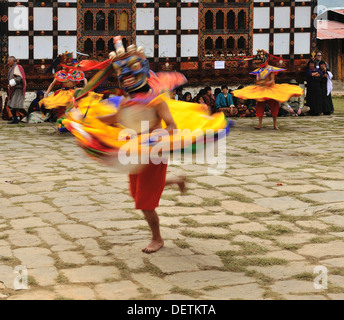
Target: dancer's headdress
263, 57
132, 66
65, 58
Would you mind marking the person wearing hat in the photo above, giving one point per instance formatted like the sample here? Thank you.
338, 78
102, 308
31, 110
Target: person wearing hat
295, 105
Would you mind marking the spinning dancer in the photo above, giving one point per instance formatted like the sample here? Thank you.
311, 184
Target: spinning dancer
68, 77
267, 91
99, 126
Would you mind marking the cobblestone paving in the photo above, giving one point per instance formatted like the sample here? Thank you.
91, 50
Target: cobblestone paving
256, 232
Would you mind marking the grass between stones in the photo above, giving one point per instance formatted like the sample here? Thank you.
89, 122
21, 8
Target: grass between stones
239, 197
249, 248
269, 294
191, 222
150, 268
288, 246
305, 276
253, 216
337, 272
62, 279
194, 234
185, 292
181, 244
323, 239
338, 229
233, 263
209, 202
273, 231
10, 261
261, 277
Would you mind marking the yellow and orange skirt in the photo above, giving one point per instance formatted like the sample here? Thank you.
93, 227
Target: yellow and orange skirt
277, 92
105, 143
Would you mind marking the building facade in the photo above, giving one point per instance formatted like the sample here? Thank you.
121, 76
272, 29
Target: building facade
331, 40
203, 39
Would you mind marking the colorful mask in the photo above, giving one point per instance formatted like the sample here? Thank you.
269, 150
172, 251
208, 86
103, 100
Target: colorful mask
262, 57
67, 58
132, 67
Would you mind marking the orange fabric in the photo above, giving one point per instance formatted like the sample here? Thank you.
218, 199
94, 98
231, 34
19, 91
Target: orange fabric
147, 186
278, 92
273, 105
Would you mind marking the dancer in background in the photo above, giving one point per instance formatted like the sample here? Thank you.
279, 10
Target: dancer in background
68, 77
266, 91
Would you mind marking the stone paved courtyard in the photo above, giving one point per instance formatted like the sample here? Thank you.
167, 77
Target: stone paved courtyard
256, 232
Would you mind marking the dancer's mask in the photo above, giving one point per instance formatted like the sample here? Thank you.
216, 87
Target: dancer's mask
67, 58
262, 57
131, 66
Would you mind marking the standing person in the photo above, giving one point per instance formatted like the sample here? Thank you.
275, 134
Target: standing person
267, 91
318, 59
314, 97
224, 103
146, 186
147, 95
326, 88
16, 89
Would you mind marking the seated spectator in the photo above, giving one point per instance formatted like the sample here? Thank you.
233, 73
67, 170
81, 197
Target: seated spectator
246, 108
235, 99
295, 105
224, 103
187, 97
34, 106
216, 92
179, 93
209, 98
199, 99
173, 94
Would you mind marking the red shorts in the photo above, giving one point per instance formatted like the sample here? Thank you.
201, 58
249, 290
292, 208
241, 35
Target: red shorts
147, 186
273, 105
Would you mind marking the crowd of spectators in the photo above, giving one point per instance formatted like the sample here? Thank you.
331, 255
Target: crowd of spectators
317, 99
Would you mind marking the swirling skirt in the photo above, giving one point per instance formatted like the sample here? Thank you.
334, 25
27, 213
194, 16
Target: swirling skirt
278, 92
111, 144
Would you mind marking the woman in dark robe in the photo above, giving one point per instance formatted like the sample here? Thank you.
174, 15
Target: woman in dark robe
314, 96
326, 88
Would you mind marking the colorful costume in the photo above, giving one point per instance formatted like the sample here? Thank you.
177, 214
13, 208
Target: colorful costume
63, 98
266, 90
147, 90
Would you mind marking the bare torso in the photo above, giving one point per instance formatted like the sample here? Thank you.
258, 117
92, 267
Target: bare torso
268, 81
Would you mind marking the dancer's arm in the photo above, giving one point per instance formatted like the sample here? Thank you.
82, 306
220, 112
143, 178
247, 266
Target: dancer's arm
50, 88
164, 114
109, 119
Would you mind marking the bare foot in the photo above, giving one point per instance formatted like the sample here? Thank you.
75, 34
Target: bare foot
276, 128
182, 184
258, 128
153, 246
